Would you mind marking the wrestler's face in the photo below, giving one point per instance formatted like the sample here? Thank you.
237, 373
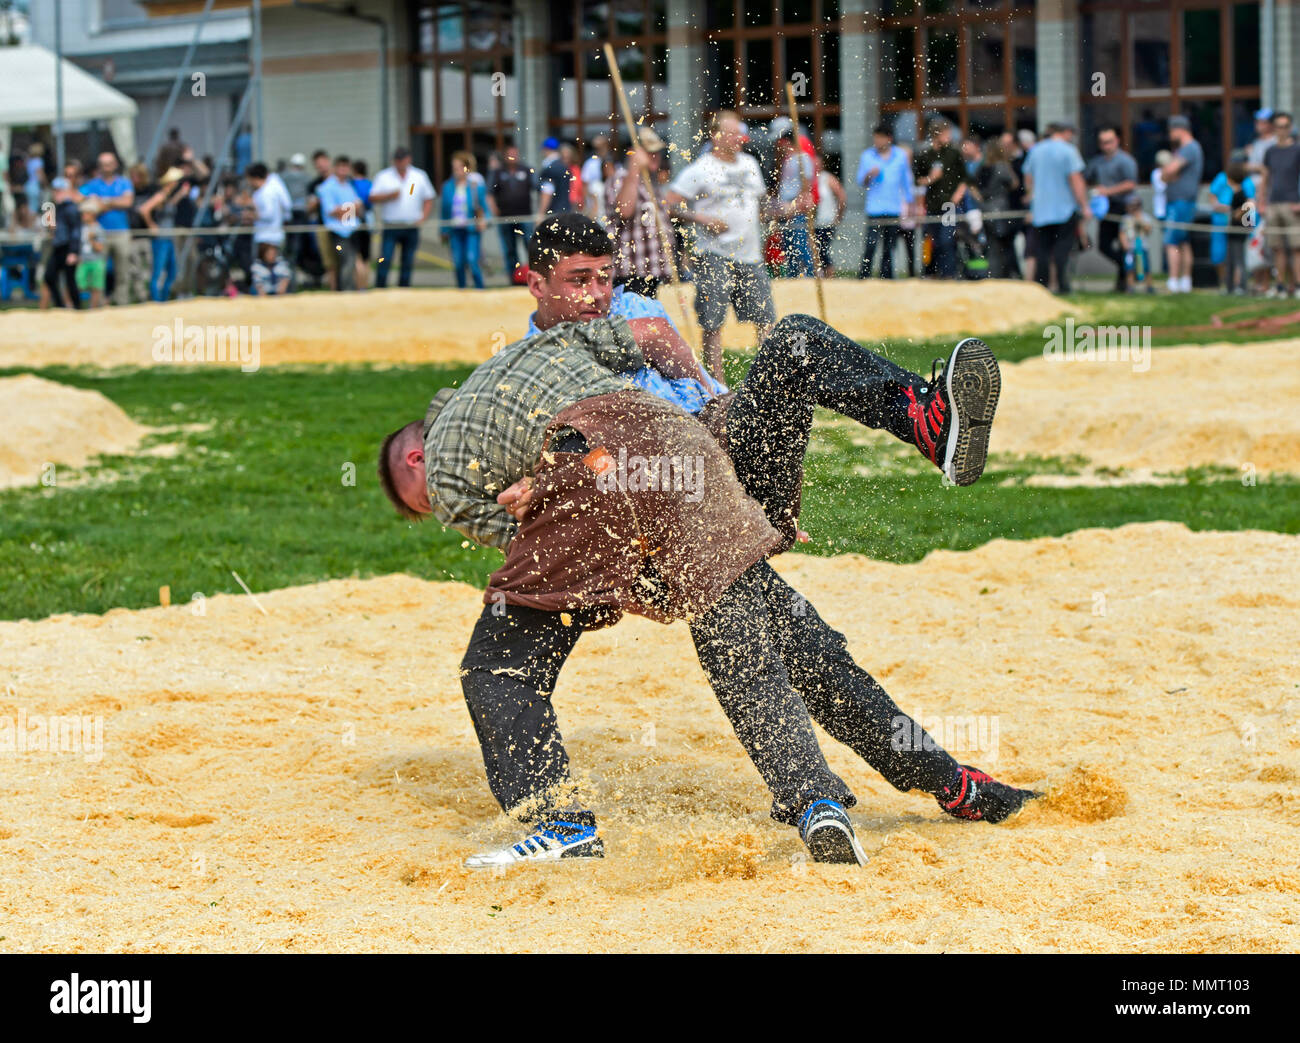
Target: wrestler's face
578, 289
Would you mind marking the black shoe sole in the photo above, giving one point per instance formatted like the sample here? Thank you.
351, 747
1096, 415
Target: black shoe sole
831, 844
973, 383
1002, 805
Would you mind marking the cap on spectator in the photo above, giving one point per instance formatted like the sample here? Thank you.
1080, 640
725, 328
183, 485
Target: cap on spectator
551, 143
1026, 137
1263, 114
402, 152
297, 160
650, 141
1179, 123
60, 183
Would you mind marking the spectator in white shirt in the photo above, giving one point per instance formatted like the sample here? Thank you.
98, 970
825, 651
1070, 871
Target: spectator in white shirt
404, 198
272, 203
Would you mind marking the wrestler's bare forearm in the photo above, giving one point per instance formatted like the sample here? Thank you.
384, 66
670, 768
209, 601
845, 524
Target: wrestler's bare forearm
664, 349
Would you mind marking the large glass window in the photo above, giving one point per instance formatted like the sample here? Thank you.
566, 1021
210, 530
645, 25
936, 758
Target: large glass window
583, 98
463, 79
756, 46
1198, 58
971, 60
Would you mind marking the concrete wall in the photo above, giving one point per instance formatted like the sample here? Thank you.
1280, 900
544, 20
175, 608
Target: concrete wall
322, 82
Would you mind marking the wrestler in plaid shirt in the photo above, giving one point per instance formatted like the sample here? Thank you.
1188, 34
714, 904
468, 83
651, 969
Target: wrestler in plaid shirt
489, 433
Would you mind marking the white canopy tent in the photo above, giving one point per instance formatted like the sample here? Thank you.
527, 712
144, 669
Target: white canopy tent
28, 96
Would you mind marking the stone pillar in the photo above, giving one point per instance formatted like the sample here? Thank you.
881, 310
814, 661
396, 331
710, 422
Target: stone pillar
859, 113
686, 67
531, 100
1056, 36
1286, 55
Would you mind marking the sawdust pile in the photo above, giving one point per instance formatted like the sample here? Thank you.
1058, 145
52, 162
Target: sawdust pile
307, 779
45, 423
414, 326
1232, 406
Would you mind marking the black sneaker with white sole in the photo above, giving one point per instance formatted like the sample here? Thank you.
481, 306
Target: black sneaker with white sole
826, 829
952, 415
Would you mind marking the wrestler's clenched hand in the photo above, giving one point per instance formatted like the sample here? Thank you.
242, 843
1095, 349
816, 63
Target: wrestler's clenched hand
517, 498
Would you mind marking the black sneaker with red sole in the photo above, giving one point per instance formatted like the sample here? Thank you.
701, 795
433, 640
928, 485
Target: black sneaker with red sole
978, 797
953, 414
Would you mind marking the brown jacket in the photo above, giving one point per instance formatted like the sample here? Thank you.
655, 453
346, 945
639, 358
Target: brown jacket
651, 520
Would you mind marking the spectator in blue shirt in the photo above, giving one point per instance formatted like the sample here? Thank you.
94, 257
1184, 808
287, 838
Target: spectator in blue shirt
361, 237
340, 210
1055, 188
464, 215
886, 174
116, 196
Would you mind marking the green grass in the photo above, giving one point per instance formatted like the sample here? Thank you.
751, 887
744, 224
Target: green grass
1173, 320
261, 491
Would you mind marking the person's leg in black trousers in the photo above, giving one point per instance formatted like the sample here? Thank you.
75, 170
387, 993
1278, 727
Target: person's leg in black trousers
869, 249
741, 656
888, 239
1109, 245
803, 364
61, 278
1044, 237
846, 700
1061, 248
508, 675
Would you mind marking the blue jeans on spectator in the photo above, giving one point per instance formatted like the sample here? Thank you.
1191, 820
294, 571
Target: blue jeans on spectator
164, 268
944, 239
409, 239
514, 238
464, 255
798, 250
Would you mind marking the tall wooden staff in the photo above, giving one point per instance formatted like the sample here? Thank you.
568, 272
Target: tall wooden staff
811, 219
665, 234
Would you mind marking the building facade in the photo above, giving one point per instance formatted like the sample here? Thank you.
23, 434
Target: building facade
137, 50
444, 75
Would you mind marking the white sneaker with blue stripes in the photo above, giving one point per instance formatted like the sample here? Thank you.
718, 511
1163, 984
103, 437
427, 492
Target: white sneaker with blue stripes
551, 841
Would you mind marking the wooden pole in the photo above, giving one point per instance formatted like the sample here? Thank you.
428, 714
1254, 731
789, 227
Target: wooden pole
665, 234
810, 219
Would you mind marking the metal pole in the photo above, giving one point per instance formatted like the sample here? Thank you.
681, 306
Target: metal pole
58, 86
259, 140
181, 73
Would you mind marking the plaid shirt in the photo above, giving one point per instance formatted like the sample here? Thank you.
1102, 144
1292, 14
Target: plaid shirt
488, 433
638, 252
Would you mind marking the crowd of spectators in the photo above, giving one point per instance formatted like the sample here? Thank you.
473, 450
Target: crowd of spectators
1010, 207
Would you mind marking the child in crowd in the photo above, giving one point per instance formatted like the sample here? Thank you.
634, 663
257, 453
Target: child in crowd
1134, 231
92, 270
271, 274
